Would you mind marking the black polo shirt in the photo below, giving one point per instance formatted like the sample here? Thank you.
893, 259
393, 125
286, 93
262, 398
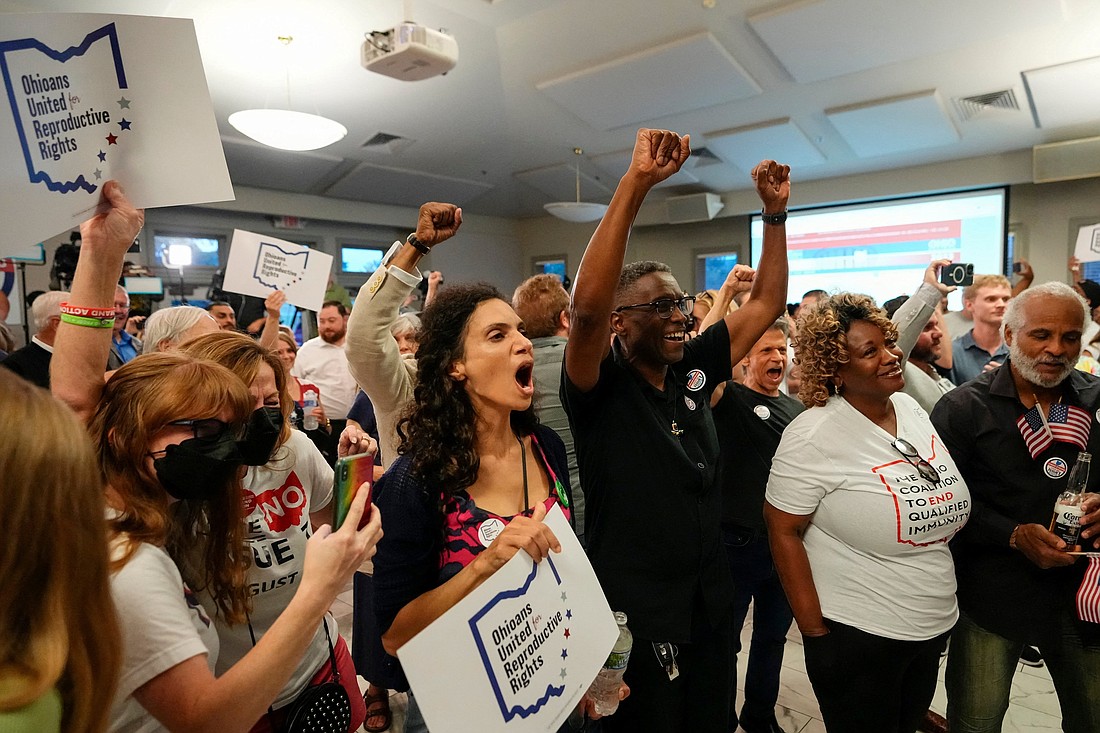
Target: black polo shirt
999, 588
750, 425
648, 462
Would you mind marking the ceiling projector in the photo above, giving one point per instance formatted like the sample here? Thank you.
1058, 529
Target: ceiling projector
409, 52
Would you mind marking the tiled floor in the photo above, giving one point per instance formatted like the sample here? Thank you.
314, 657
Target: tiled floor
1034, 706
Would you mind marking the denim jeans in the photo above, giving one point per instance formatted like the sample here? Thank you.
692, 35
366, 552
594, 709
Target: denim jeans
979, 679
755, 579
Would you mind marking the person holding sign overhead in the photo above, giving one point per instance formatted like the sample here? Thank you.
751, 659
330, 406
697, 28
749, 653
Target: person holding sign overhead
475, 472
861, 503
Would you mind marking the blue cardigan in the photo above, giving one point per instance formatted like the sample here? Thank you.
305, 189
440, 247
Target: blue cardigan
407, 562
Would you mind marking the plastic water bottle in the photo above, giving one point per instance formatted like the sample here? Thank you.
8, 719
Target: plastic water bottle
605, 688
309, 402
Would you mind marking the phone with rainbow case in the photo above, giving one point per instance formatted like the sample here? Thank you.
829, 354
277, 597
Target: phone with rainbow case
351, 473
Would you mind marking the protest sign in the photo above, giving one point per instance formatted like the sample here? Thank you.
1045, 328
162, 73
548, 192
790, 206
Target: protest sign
519, 652
259, 265
89, 98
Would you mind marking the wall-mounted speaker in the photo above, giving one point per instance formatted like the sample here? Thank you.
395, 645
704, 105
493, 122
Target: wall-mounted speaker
693, 207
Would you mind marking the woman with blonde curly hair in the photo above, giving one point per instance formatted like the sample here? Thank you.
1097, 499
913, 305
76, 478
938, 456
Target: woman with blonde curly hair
59, 639
860, 505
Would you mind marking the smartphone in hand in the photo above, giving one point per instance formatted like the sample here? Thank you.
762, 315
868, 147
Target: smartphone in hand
959, 274
351, 473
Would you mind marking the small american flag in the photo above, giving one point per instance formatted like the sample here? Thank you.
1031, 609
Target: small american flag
1065, 423
1088, 595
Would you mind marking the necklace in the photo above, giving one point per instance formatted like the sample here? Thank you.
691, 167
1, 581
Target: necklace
523, 464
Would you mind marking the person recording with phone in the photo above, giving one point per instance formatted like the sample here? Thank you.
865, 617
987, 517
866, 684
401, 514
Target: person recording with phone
287, 491
172, 433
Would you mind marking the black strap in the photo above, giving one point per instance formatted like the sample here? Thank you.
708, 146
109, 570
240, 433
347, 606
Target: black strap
328, 640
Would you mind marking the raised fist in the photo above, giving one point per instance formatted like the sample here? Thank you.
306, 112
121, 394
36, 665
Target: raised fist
437, 222
773, 184
658, 154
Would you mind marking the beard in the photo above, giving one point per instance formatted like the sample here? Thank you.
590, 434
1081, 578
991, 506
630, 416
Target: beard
1029, 367
332, 337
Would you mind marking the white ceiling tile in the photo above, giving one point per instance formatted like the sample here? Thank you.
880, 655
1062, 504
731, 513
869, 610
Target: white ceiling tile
684, 75
252, 164
386, 185
559, 182
1065, 94
779, 140
822, 39
894, 125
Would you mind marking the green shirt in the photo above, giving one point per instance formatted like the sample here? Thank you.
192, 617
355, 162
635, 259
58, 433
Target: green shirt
40, 716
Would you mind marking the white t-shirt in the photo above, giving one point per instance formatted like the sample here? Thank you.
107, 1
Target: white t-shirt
163, 624
326, 365
877, 542
278, 498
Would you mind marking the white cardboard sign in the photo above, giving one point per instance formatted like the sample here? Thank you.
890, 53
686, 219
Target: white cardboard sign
1088, 244
87, 98
519, 652
259, 265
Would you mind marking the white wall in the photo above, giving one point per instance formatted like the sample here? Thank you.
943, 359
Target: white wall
486, 248
1047, 215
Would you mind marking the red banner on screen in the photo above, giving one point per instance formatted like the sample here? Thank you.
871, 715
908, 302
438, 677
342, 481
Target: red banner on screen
877, 235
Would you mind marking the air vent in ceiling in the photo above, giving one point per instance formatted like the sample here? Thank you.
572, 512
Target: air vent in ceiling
970, 107
383, 142
704, 157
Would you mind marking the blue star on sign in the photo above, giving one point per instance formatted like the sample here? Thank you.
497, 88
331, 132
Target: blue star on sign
102, 156
568, 613
124, 124
564, 654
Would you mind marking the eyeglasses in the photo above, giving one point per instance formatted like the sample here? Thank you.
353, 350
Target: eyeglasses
665, 306
926, 470
206, 429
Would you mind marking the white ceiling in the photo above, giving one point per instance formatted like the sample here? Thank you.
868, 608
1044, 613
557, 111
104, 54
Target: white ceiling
837, 87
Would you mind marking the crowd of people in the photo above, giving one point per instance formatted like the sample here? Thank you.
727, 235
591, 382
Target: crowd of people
845, 467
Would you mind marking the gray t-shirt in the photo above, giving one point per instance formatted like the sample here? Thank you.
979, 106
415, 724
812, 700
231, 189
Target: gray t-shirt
163, 624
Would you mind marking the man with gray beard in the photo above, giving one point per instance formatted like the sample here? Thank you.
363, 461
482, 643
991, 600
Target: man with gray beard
1014, 432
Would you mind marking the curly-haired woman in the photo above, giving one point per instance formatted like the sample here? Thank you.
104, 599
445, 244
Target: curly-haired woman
862, 500
472, 462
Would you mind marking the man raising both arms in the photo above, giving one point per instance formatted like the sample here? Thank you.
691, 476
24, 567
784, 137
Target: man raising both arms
648, 450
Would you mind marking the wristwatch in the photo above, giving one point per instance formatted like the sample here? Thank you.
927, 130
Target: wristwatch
773, 218
417, 244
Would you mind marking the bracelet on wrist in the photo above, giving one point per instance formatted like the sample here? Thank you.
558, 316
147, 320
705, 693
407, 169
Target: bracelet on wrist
83, 312
87, 322
417, 244
773, 218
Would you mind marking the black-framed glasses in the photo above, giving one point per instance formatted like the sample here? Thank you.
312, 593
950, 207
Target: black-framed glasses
207, 429
926, 470
665, 306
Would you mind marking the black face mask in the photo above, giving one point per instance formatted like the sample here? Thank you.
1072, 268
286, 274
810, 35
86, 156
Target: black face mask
260, 436
198, 470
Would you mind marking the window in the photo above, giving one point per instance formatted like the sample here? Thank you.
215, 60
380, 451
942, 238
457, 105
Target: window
205, 249
712, 268
360, 259
553, 265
